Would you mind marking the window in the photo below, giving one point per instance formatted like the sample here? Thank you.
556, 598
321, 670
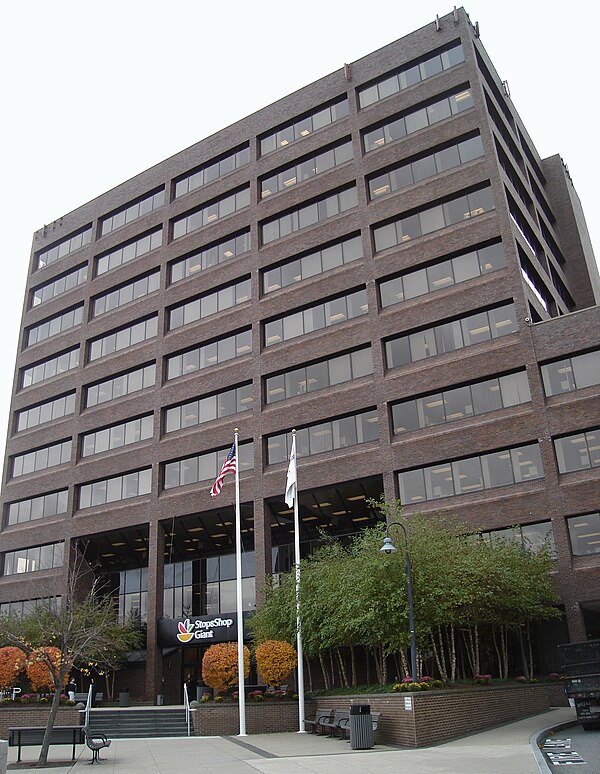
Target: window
571, 373
123, 384
218, 351
123, 338
457, 210
485, 471
41, 459
584, 532
424, 167
220, 404
132, 212
409, 75
34, 559
211, 303
54, 325
212, 170
449, 336
305, 169
308, 215
46, 369
325, 436
133, 594
531, 536
460, 402
63, 248
45, 412
58, 286
211, 212
209, 256
319, 375
417, 119
40, 507
116, 436
316, 317
128, 252
126, 294
578, 452
303, 127
110, 490
205, 467
442, 274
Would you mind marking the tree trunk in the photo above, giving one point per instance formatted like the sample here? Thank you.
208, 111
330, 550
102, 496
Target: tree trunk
309, 673
43, 757
436, 654
353, 665
452, 653
331, 667
368, 666
342, 665
529, 650
404, 662
326, 684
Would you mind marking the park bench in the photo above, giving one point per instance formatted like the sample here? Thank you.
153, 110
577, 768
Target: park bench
340, 719
33, 736
96, 742
345, 727
320, 715
83, 697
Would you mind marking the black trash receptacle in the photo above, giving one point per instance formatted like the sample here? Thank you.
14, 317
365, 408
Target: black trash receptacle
124, 698
361, 727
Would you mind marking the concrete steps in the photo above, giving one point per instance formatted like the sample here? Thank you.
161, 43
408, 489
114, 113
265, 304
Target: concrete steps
134, 723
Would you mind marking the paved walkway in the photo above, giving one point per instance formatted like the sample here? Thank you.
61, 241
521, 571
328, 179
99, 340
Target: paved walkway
503, 750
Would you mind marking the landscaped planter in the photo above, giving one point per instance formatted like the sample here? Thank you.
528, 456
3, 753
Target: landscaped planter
18, 716
407, 719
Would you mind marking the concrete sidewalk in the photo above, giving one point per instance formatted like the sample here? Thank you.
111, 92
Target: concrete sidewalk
503, 750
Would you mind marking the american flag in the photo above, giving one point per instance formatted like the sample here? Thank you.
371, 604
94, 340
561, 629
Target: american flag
229, 466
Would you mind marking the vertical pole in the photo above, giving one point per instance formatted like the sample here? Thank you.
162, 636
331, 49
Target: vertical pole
238, 574
301, 729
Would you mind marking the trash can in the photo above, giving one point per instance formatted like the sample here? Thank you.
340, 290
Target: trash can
124, 698
160, 700
361, 727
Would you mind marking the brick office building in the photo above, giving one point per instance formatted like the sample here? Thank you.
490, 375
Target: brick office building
381, 260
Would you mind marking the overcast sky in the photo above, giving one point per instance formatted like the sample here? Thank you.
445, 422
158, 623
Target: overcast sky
95, 92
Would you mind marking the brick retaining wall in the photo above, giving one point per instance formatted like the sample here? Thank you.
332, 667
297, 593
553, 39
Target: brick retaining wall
410, 720
18, 717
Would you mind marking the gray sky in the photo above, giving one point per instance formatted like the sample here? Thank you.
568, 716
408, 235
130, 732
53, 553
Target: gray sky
95, 92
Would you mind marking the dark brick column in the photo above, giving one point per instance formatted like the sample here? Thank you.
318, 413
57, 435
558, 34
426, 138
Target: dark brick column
262, 548
156, 562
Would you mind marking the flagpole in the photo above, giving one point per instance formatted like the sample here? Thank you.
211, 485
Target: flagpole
238, 573
297, 563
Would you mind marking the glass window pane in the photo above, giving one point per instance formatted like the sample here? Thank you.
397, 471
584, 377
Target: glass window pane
466, 266
415, 284
476, 328
412, 487
432, 219
431, 410
458, 403
447, 158
404, 416
497, 469
586, 369
339, 371
486, 396
422, 344
417, 120
467, 475
584, 532
527, 462
515, 389
448, 337
440, 275
438, 481
398, 352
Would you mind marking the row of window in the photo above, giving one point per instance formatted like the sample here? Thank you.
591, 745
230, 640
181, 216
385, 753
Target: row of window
111, 490
41, 459
131, 212
433, 164
442, 274
124, 338
55, 325
305, 169
325, 436
316, 317
58, 286
118, 386
216, 253
304, 126
450, 336
46, 412
579, 451
204, 467
24, 607
128, 252
474, 474
211, 212
58, 364
211, 171
63, 248
221, 404
127, 293
410, 75
417, 119
571, 373
319, 375
210, 303
117, 436
430, 219
40, 507
460, 402
35, 558
207, 355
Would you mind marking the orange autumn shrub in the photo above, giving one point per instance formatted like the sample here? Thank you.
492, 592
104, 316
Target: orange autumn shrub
39, 663
12, 661
220, 665
275, 660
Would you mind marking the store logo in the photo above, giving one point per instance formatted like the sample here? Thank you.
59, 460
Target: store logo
186, 630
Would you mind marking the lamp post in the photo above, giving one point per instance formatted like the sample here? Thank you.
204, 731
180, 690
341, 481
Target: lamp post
388, 548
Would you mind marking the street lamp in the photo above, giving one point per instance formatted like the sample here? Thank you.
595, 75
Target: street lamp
388, 548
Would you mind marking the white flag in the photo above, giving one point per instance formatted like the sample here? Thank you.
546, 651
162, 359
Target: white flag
291, 483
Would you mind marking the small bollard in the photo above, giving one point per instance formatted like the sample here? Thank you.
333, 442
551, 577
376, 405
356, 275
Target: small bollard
3, 755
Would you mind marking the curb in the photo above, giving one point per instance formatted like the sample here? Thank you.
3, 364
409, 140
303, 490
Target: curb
538, 736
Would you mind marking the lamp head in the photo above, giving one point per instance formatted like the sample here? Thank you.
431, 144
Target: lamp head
388, 547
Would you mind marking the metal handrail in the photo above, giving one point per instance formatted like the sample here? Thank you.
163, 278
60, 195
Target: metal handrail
88, 705
186, 702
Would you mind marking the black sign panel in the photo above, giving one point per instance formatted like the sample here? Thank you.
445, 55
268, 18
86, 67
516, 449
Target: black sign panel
197, 630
